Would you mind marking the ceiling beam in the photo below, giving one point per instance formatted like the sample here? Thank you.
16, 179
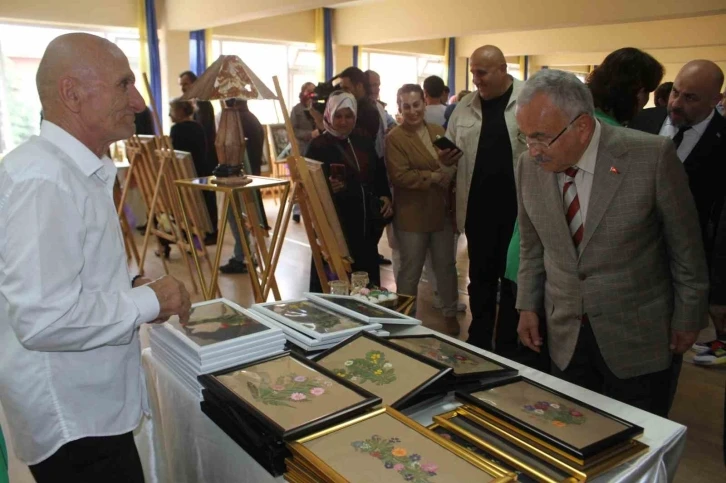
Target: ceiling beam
661, 34
664, 56
405, 20
192, 15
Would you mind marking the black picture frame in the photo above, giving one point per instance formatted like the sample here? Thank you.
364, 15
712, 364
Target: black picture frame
270, 454
579, 454
465, 378
432, 385
210, 382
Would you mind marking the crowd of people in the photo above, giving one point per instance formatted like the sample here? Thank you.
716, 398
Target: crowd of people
595, 229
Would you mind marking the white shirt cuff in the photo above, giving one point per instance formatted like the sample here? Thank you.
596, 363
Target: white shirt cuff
146, 302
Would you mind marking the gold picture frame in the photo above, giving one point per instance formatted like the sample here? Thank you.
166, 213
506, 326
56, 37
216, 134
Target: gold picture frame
527, 456
317, 453
572, 429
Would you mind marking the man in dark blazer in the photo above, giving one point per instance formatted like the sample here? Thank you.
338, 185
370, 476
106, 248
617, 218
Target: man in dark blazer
701, 144
610, 247
699, 134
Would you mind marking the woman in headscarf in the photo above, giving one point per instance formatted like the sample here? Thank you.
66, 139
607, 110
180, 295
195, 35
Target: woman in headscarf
359, 187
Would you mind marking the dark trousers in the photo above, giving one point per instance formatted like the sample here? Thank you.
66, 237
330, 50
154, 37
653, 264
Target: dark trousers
107, 459
488, 242
589, 370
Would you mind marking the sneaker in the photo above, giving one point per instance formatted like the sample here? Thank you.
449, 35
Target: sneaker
233, 267
703, 347
296, 218
712, 357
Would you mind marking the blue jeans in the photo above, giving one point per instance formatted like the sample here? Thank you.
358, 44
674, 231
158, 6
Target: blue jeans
239, 254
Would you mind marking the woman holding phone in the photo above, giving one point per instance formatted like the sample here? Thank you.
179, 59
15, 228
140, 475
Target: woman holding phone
421, 176
358, 184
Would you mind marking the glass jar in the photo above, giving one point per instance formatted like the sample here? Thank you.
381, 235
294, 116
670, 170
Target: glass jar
338, 287
358, 281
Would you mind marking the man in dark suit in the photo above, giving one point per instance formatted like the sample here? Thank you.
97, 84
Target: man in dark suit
699, 134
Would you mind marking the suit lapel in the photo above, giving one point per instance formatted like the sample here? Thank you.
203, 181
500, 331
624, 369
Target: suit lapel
605, 183
554, 201
702, 151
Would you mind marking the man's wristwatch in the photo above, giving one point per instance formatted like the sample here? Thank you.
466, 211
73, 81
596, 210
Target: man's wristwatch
133, 280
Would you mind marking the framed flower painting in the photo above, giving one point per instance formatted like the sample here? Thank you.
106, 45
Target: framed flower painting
385, 446
389, 371
289, 394
578, 431
314, 320
467, 365
362, 310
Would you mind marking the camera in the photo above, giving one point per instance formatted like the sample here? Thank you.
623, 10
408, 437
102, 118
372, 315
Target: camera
322, 93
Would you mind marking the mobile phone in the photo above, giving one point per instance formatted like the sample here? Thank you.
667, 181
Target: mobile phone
337, 171
442, 143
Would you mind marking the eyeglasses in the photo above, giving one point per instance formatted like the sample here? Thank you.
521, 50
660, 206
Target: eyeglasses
522, 138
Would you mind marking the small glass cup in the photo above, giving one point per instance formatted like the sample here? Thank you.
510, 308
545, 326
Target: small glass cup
359, 281
338, 287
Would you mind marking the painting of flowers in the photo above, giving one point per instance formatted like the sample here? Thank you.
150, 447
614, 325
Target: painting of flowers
377, 368
384, 449
315, 317
216, 322
550, 413
288, 391
462, 361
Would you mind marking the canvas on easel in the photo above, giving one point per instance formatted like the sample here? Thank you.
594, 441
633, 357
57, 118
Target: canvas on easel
319, 216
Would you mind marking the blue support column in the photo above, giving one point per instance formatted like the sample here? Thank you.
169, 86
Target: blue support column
328, 41
152, 36
197, 51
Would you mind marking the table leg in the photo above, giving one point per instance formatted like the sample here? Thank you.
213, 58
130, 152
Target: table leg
264, 258
278, 234
246, 249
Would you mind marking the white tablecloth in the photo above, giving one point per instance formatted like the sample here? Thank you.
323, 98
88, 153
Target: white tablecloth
180, 444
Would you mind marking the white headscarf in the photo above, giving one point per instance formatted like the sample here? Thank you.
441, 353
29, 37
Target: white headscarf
338, 100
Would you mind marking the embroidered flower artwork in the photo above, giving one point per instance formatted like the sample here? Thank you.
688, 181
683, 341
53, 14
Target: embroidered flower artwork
394, 457
289, 390
446, 354
558, 414
373, 367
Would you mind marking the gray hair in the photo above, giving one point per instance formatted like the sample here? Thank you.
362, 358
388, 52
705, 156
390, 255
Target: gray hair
566, 91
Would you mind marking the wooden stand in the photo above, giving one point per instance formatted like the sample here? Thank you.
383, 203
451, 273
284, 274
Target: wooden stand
321, 225
263, 276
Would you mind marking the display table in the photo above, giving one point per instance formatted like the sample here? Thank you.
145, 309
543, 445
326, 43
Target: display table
181, 444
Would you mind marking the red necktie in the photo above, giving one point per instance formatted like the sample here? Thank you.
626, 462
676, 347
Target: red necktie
572, 207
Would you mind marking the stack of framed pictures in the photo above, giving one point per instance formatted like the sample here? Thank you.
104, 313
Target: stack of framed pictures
398, 376
266, 403
312, 326
544, 434
362, 310
219, 334
385, 446
469, 369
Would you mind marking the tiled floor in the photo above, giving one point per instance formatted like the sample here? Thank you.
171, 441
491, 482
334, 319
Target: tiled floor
698, 405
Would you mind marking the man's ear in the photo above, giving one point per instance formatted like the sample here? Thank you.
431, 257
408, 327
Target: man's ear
69, 93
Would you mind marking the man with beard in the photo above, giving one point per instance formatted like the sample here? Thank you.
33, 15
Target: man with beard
699, 135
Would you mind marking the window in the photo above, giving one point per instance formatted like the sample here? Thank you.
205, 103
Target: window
294, 64
399, 69
21, 48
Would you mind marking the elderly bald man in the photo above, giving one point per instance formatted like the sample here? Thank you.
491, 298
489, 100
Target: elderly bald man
484, 127
699, 134
70, 368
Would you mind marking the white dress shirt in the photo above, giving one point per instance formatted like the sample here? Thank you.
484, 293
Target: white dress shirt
585, 173
690, 137
70, 357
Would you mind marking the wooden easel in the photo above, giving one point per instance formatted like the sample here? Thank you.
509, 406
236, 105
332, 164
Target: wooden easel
161, 201
325, 245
